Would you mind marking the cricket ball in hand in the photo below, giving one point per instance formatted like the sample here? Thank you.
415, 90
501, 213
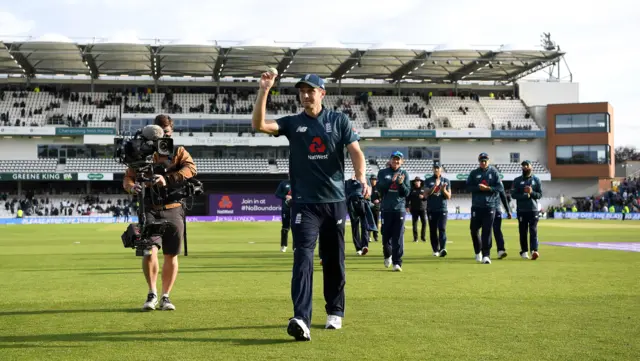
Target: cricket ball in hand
273, 71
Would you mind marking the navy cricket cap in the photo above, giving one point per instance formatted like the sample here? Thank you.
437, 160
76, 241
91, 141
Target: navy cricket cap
311, 80
483, 156
526, 162
436, 164
398, 154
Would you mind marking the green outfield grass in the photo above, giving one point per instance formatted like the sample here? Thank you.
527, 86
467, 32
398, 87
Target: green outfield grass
72, 292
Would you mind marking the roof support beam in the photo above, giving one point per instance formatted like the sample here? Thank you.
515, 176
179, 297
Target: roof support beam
347, 65
28, 69
287, 59
533, 68
221, 60
409, 66
155, 62
88, 59
471, 67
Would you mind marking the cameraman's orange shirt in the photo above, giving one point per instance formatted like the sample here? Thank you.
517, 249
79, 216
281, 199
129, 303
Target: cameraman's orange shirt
182, 162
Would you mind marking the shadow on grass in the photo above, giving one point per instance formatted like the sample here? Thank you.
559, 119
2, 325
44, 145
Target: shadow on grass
182, 267
144, 336
55, 312
200, 271
35, 346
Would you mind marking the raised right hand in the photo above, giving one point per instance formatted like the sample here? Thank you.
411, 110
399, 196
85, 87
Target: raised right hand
267, 79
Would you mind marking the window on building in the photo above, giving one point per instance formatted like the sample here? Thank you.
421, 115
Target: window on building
582, 123
583, 154
515, 157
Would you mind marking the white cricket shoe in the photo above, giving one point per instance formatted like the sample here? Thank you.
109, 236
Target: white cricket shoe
283, 249
397, 268
298, 330
502, 254
359, 253
524, 255
333, 322
479, 257
166, 305
387, 262
151, 303
436, 254
486, 260
535, 255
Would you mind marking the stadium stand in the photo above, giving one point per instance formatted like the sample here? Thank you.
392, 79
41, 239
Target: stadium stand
459, 113
102, 109
106, 165
508, 113
27, 108
241, 165
223, 165
459, 168
411, 165
516, 168
283, 166
28, 166
68, 205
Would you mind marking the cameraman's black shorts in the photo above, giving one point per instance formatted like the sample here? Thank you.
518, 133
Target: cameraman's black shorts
171, 241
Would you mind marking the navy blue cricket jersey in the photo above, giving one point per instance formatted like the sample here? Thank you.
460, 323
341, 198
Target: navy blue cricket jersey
316, 154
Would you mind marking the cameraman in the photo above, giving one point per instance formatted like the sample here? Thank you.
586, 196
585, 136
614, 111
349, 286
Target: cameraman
181, 168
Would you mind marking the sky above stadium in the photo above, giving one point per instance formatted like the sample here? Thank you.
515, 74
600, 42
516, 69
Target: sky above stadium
599, 37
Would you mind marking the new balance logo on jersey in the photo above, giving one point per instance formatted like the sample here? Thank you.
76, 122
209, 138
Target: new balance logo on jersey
301, 129
317, 148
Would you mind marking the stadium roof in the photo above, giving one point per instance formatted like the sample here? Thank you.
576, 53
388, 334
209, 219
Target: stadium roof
393, 62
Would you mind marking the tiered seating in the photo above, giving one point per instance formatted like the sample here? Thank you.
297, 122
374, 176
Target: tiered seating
33, 101
457, 168
155, 101
331, 101
401, 120
462, 200
348, 167
448, 107
281, 100
28, 166
99, 114
74, 202
224, 165
283, 165
410, 165
517, 168
503, 111
188, 101
97, 165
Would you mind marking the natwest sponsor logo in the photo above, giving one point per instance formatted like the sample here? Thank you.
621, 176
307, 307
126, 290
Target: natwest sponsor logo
317, 149
225, 205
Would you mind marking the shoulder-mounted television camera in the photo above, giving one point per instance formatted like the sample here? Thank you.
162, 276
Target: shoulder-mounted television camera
137, 151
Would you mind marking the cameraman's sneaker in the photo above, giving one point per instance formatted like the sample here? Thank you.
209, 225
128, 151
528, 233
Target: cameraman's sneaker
152, 302
166, 305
